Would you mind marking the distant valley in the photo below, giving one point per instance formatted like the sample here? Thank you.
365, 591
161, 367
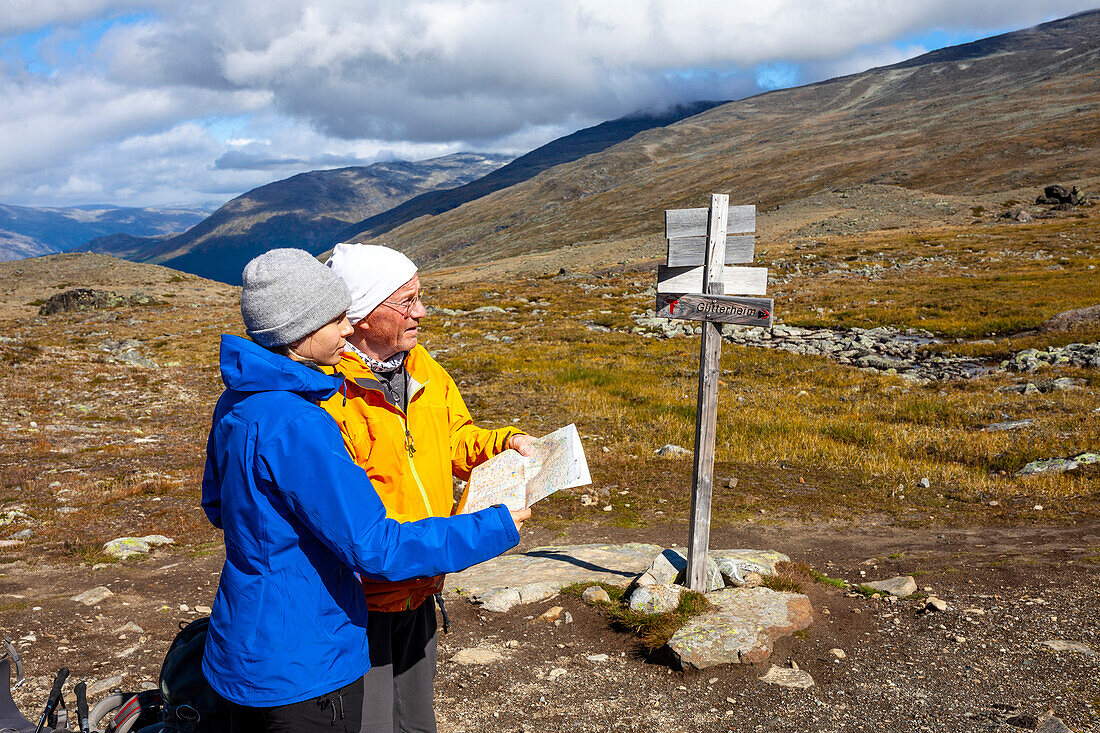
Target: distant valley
306, 211
31, 232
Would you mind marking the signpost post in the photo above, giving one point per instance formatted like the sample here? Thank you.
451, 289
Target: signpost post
693, 286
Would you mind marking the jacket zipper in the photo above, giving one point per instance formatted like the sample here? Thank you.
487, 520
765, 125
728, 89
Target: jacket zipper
410, 449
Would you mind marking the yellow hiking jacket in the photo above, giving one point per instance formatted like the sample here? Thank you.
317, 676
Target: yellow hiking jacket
411, 457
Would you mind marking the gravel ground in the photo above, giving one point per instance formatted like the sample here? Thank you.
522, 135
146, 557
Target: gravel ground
979, 666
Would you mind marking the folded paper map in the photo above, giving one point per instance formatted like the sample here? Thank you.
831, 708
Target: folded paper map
556, 462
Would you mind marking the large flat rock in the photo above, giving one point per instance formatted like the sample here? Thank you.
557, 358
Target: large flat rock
538, 574
742, 629
615, 564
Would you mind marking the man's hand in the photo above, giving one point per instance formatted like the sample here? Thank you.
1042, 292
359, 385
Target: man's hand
520, 516
521, 443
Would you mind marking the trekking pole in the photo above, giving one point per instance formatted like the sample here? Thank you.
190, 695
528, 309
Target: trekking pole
55, 696
81, 691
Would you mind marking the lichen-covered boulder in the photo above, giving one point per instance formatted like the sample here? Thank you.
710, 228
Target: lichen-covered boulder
742, 629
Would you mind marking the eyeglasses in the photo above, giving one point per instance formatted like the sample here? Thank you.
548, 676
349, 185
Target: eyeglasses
405, 307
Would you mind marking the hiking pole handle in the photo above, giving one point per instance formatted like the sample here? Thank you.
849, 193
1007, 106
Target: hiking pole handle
55, 695
81, 691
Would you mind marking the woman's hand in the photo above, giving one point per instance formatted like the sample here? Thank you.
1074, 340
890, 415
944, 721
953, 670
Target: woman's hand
519, 516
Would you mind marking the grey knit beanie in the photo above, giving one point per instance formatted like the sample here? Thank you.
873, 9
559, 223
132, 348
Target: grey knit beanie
288, 294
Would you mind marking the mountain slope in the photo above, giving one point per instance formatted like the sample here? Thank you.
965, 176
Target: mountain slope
304, 211
563, 150
1021, 109
29, 232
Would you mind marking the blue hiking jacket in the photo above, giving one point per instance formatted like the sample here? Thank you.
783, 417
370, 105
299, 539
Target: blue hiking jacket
289, 620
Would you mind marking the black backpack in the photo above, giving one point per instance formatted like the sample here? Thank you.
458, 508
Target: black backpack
190, 704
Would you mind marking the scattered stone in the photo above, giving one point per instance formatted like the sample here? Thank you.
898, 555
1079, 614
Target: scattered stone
550, 615
1008, 425
672, 451
125, 547
793, 677
838, 653
13, 515
1059, 645
665, 568
597, 658
1058, 465
503, 599
736, 571
5, 544
925, 483
724, 567
93, 596
555, 673
1065, 384
104, 685
742, 629
207, 610
128, 628
23, 534
477, 655
1050, 724
901, 586
595, 594
935, 604
655, 598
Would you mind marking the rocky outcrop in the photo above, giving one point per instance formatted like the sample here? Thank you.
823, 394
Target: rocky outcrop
82, 299
881, 349
1078, 319
1079, 355
1057, 194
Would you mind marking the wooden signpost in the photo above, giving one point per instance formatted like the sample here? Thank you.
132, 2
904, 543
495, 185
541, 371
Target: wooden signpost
697, 284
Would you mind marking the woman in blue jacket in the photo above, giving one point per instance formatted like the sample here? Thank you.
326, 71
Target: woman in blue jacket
287, 643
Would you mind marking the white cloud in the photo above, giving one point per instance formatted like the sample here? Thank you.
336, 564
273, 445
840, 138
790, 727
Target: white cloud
347, 80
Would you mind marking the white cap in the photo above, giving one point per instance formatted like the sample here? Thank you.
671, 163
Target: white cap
372, 273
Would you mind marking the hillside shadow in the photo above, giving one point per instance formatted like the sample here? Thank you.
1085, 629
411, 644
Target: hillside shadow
563, 150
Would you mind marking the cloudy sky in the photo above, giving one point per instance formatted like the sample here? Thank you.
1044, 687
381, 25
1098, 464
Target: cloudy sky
159, 102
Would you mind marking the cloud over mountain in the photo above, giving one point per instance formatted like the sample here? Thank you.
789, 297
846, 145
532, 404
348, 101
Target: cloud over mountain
151, 99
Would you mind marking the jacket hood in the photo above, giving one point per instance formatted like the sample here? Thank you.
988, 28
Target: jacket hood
248, 367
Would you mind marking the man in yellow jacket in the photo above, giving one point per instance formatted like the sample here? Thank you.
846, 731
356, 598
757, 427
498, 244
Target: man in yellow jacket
404, 421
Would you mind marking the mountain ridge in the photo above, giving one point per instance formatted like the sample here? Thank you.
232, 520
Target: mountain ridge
562, 150
1004, 113
302, 211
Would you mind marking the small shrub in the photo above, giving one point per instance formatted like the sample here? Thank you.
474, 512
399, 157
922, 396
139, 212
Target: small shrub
652, 629
781, 583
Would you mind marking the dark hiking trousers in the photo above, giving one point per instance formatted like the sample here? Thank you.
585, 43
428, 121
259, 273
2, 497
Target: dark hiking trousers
339, 711
398, 688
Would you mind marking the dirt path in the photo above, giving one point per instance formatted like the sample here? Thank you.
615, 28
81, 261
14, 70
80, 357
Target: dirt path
971, 668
